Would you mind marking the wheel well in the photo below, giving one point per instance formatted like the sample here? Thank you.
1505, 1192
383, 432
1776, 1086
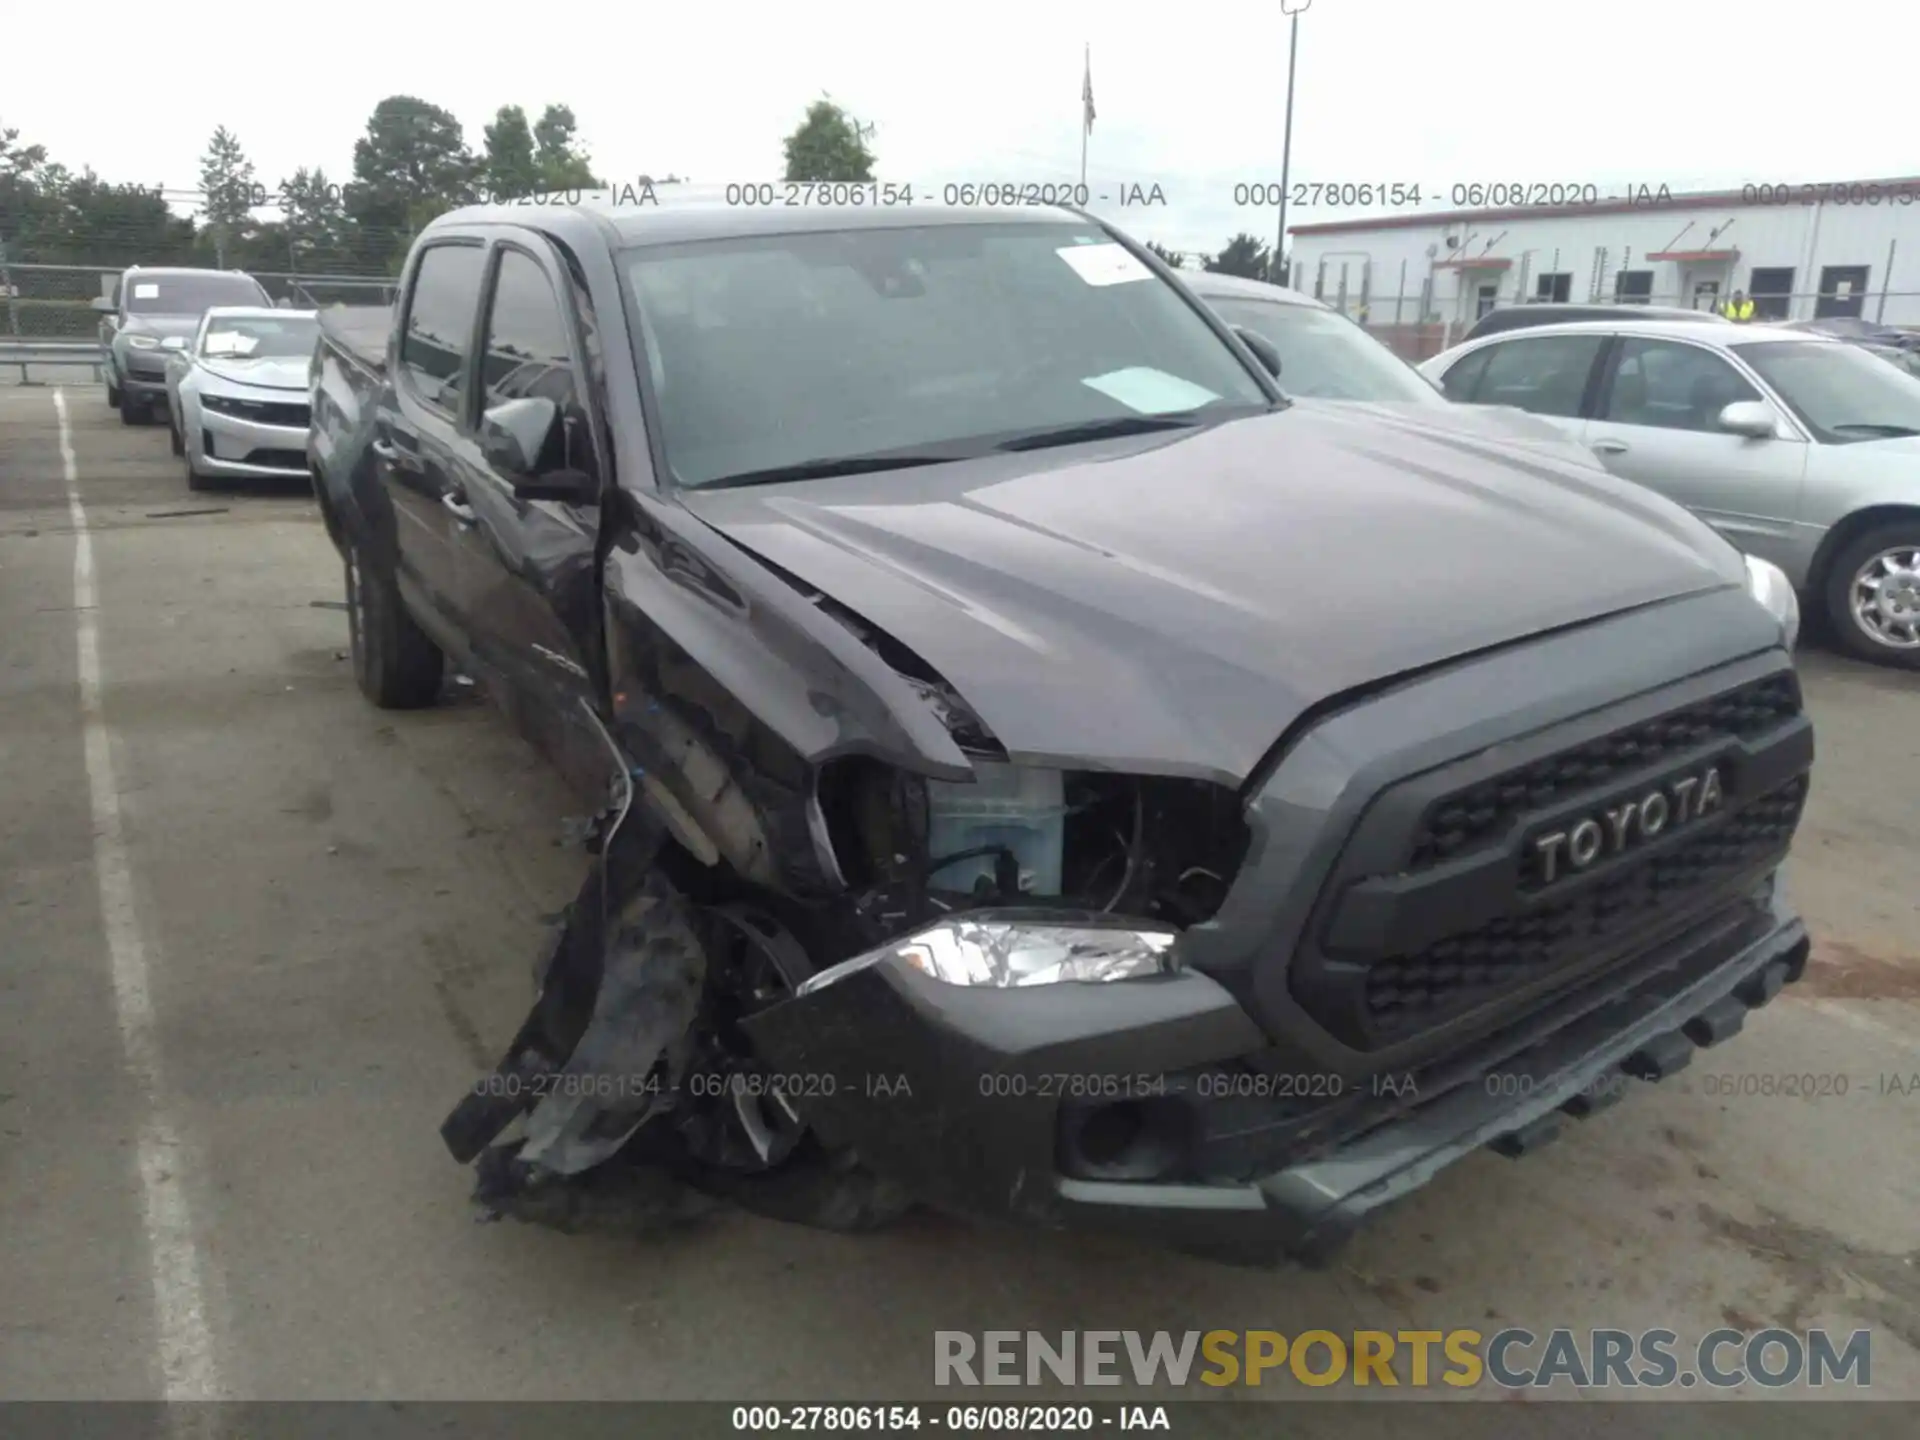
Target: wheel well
327, 515
1851, 528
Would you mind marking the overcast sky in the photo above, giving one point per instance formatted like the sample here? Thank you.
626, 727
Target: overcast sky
1690, 93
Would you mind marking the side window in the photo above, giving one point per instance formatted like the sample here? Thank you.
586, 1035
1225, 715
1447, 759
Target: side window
1460, 379
527, 354
1671, 386
433, 351
1545, 374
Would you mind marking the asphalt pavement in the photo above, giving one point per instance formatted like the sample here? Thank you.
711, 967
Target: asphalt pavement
256, 937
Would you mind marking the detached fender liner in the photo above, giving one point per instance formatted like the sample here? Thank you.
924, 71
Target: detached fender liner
618, 996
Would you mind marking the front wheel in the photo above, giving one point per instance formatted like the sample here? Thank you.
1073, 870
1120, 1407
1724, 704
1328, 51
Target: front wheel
396, 666
133, 411
173, 436
740, 1139
1873, 595
113, 393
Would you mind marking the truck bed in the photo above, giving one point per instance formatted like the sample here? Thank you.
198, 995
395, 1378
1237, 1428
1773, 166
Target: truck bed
361, 331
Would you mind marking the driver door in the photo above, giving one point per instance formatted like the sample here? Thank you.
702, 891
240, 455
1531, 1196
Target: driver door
1656, 422
528, 566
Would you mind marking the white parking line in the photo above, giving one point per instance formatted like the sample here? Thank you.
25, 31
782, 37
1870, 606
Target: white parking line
187, 1367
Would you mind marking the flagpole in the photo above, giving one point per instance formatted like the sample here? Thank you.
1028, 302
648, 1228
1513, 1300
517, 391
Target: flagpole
1086, 85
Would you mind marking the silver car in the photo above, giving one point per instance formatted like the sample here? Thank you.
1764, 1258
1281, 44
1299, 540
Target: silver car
1322, 358
1799, 448
237, 397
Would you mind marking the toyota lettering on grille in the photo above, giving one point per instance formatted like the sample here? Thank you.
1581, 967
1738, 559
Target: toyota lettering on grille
1621, 827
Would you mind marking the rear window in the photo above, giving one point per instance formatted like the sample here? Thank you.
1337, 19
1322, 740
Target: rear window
190, 294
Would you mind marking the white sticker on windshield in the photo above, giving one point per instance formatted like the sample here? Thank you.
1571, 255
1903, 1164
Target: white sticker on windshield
1105, 264
1148, 391
149, 291
231, 342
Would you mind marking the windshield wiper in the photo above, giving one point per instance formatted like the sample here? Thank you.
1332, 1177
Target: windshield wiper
827, 467
1100, 430
1876, 428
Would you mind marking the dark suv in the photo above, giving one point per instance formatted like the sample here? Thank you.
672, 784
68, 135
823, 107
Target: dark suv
151, 313
1522, 317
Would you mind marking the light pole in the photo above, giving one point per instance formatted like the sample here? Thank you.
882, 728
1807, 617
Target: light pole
1293, 8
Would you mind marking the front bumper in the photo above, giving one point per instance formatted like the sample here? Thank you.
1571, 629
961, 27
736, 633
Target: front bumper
231, 446
983, 1101
143, 377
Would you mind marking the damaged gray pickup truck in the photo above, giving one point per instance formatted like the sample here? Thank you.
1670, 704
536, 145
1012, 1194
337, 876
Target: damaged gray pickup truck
1040, 770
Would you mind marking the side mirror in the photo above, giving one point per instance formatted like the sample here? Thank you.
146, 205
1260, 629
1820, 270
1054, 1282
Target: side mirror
1751, 418
1262, 349
514, 435
104, 304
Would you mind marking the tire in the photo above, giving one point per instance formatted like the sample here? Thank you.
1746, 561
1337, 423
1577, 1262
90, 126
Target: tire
113, 393
1887, 633
396, 666
132, 411
197, 482
173, 437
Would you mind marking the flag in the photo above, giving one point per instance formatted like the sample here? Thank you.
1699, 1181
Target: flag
1086, 94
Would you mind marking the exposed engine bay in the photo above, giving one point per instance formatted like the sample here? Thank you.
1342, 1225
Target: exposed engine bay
692, 946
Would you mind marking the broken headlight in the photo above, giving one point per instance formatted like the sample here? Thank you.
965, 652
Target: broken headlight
1012, 948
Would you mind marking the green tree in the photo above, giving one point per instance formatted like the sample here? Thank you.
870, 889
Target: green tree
91, 222
412, 165
315, 223
1244, 256
558, 158
1173, 258
829, 144
510, 168
17, 161
226, 180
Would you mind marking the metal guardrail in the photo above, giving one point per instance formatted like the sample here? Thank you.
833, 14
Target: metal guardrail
19, 354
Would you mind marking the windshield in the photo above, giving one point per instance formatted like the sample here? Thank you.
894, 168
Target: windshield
189, 294
1841, 392
1325, 355
279, 337
792, 350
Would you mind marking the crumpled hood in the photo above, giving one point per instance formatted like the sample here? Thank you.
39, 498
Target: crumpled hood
1173, 604
288, 372
1507, 423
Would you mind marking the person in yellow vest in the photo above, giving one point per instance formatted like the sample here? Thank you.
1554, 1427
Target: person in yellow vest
1738, 308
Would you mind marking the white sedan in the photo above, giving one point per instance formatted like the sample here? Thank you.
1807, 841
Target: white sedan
237, 399
1800, 449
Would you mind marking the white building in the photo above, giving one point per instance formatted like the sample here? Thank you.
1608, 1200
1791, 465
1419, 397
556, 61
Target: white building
1834, 248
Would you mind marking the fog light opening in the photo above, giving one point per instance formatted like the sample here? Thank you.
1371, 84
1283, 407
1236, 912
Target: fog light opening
1126, 1140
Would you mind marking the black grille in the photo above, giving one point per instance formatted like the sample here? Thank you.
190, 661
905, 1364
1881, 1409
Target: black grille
277, 459
1408, 991
1483, 813
263, 412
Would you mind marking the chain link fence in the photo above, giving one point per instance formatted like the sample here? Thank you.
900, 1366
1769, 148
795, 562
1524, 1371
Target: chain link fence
55, 302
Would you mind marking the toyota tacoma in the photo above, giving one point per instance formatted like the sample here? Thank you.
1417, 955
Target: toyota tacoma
1037, 769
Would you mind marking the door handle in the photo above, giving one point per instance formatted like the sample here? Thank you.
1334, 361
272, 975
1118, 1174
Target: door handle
456, 501
1610, 447
384, 449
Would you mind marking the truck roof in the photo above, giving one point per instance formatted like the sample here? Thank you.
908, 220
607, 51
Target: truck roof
671, 214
